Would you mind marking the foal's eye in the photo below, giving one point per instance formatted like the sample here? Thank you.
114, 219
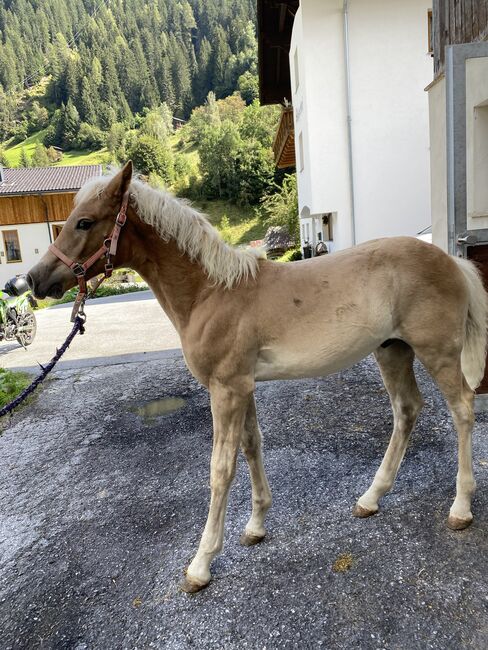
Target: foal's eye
84, 224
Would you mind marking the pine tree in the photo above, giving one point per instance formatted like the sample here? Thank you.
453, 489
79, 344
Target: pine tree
40, 157
24, 159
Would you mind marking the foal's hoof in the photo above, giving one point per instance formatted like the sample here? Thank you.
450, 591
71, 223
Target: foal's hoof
362, 513
190, 586
455, 523
246, 539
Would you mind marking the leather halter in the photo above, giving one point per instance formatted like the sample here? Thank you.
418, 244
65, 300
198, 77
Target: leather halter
107, 250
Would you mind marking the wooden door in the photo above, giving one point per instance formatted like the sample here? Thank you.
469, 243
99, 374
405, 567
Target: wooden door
479, 254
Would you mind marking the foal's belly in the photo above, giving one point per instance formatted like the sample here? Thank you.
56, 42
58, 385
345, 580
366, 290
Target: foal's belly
310, 358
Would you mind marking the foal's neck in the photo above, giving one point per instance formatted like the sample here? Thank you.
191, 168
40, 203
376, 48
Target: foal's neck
177, 282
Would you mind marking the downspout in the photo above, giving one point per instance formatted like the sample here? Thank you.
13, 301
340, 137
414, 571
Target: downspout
46, 213
349, 119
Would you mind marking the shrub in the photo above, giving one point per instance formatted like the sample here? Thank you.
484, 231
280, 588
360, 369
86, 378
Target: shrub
150, 155
89, 137
281, 208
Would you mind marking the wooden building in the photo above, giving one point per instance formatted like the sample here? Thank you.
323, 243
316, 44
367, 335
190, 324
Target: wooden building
454, 22
34, 204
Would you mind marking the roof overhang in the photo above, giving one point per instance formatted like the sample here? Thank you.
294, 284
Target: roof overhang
4, 195
275, 24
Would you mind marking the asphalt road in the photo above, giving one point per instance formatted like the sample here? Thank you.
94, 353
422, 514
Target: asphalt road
101, 508
118, 329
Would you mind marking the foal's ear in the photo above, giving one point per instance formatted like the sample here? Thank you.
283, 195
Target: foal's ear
120, 182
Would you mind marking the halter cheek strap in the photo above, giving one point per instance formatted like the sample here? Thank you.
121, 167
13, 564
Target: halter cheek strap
107, 250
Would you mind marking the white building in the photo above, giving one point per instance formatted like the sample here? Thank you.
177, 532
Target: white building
357, 72
34, 204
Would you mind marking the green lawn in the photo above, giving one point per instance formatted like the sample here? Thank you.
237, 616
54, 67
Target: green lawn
244, 225
84, 157
14, 152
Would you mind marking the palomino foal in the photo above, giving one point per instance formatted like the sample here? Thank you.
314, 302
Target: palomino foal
242, 319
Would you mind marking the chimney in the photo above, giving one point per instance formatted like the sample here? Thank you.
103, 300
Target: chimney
1, 174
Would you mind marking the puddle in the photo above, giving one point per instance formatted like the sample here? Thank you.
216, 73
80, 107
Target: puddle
152, 410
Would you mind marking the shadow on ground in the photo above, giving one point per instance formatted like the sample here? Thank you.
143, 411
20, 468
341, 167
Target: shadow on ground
100, 510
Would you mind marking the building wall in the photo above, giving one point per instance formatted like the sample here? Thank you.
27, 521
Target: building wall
34, 208
438, 162
390, 67
34, 241
476, 150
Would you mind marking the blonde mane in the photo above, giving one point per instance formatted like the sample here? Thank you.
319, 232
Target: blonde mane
176, 219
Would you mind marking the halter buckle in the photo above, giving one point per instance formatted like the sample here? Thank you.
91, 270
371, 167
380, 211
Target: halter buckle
78, 269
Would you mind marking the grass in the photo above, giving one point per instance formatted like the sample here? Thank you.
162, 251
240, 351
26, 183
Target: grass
244, 226
11, 384
74, 157
84, 157
14, 152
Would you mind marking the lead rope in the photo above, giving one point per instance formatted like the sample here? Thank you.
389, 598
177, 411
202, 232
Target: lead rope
79, 326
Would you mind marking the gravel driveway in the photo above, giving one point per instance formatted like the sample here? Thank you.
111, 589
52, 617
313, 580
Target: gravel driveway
102, 505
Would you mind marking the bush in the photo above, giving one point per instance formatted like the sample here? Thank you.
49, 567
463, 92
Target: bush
150, 155
89, 137
281, 208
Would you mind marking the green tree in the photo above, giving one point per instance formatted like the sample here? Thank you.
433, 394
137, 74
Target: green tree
281, 207
158, 123
151, 156
40, 157
248, 85
24, 159
3, 158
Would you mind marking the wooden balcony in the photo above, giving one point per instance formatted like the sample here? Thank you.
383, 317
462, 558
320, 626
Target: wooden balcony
284, 142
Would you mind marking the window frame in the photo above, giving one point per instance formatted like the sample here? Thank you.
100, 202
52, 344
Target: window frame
16, 261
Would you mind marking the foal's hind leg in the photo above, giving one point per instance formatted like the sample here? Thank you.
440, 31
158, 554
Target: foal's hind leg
445, 367
261, 494
396, 366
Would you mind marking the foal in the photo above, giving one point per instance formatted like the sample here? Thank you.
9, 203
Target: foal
243, 319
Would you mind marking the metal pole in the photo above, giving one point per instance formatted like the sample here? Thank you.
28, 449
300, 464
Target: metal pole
349, 120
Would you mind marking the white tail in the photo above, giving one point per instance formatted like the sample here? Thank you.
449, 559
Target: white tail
475, 342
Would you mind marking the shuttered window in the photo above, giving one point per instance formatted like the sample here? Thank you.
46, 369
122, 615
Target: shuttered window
12, 246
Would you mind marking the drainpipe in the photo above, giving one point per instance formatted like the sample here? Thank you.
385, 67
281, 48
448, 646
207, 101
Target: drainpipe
46, 212
345, 10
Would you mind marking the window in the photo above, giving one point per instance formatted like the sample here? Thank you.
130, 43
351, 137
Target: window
12, 246
56, 230
480, 161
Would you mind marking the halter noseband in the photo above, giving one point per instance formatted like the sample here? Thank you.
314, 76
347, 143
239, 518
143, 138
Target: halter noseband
107, 250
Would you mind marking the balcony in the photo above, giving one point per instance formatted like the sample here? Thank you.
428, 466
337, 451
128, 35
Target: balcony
284, 143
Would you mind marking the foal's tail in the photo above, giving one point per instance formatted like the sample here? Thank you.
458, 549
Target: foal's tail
474, 350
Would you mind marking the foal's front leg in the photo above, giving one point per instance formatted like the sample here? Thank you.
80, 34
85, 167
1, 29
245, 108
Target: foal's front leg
229, 405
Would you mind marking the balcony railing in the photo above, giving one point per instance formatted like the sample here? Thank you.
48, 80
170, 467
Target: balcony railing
284, 143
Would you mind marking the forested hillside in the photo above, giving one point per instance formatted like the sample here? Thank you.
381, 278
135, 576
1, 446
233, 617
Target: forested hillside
104, 61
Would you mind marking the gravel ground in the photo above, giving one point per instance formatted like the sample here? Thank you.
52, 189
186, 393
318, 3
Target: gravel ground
101, 508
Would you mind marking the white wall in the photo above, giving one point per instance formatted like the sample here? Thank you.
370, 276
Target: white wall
438, 162
32, 237
390, 68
